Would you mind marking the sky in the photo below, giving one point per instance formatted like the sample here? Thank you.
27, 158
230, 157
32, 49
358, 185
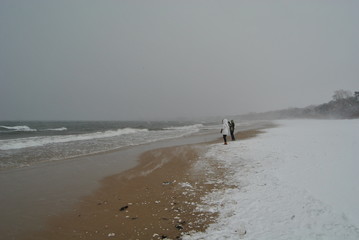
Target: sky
164, 60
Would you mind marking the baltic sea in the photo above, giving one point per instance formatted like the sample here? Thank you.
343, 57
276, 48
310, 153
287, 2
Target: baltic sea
23, 144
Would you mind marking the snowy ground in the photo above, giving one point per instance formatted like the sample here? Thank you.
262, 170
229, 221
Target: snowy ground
297, 181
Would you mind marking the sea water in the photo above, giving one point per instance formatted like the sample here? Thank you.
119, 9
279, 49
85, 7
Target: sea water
26, 143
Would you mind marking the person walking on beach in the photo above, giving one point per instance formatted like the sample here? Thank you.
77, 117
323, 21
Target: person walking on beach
231, 129
225, 130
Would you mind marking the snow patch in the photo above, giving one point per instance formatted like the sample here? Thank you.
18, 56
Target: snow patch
281, 180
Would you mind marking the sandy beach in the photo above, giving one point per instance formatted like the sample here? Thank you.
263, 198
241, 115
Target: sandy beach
294, 178
32, 194
154, 200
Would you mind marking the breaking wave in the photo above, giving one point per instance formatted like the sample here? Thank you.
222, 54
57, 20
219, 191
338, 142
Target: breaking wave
18, 128
195, 127
56, 129
43, 140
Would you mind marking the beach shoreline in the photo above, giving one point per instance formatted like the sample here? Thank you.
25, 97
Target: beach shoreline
154, 200
30, 195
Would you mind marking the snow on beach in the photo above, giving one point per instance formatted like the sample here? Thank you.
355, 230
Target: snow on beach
296, 181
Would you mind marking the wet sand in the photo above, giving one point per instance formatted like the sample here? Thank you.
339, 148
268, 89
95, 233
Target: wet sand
30, 195
154, 200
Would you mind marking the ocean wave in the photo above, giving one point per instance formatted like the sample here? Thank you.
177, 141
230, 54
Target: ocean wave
44, 140
195, 127
56, 129
19, 128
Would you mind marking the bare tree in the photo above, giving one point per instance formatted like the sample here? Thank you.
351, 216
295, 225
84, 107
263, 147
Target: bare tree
342, 94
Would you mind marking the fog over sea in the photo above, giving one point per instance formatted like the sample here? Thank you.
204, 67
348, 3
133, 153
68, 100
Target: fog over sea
25, 143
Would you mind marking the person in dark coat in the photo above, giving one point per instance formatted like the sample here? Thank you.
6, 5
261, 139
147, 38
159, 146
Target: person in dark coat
231, 129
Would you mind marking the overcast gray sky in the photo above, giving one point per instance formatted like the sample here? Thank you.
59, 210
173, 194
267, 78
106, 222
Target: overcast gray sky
135, 60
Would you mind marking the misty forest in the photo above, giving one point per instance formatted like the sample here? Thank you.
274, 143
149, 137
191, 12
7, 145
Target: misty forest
344, 105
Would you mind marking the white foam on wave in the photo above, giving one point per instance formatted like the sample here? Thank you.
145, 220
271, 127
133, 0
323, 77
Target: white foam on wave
57, 129
19, 128
195, 127
43, 140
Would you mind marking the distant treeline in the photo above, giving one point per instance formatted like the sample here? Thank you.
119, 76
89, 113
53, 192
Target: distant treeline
343, 106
